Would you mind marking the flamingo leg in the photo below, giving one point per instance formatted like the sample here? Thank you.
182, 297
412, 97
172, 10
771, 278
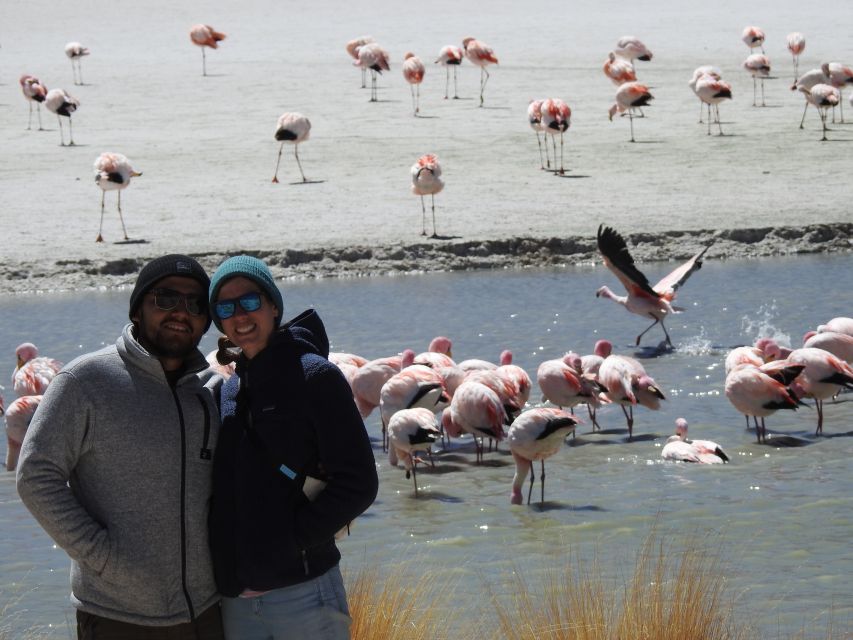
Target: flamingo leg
120, 216
841, 104
100, 227
30, 118
455, 85
592, 412
754, 91
484, 78
709, 119
647, 328
277, 163
819, 406
562, 171
203, 63
547, 157
80, 71
539, 142
61, 135
719, 124
763, 104
299, 164
631, 120
806, 108
542, 481
363, 78
70, 133
446, 80
796, 67
822, 113
629, 418
414, 105
434, 234
38, 112
701, 107
384, 435
423, 216
532, 478
415, 473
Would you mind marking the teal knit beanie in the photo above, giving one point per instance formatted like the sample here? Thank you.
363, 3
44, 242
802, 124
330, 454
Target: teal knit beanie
246, 267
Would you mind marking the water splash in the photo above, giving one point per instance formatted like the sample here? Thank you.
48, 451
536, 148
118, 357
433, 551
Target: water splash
763, 325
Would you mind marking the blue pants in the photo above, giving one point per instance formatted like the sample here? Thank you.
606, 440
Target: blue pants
316, 609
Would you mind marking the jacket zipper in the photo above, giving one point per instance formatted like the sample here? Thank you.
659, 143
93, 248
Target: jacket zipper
183, 505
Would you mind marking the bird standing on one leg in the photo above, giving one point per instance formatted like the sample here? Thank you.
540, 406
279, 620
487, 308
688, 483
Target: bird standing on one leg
205, 36
292, 128
113, 173
534, 118
426, 180
796, 45
63, 104
481, 55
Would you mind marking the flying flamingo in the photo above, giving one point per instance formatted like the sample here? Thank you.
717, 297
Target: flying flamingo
372, 56
679, 447
630, 96
413, 72
805, 83
292, 128
753, 37
796, 45
754, 393
426, 180
535, 435
62, 103
823, 96
113, 173
824, 376
205, 36
642, 299
700, 72
481, 55
33, 373
450, 56
628, 384
619, 70
34, 91
839, 77
352, 48
18, 417
534, 118
556, 119
758, 66
630, 48
712, 91
409, 431
75, 52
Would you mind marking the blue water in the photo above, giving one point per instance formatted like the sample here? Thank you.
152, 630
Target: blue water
782, 517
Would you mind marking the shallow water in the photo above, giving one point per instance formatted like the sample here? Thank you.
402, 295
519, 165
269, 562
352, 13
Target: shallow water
782, 516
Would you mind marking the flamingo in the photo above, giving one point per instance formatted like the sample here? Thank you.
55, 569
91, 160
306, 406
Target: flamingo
630, 96
699, 72
441, 344
477, 410
113, 173
534, 118
413, 72
75, 52
630, 48
753, 37
62, 103
368, 381
450, 56
712, 91
758, 66
590, 365
564, 385
556, 119
628, 384
426, 180
824, 376
839, 76
292, 128
754, 393
352, 48
838, 344
536, 435
841, 324
796, 45
517, 376
411, 430
642, 299
823, 96
374, 57
34, 91
679, 447
619, 70
805, 83
18, 418
481, 55
33, 373
338, 358
205, 36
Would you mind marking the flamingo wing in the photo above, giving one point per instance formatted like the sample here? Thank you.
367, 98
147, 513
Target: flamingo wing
618, 259
679, 276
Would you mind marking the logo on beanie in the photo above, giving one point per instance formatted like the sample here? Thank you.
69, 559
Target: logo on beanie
180, 265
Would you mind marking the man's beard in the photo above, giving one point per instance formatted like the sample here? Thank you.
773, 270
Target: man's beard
161, 347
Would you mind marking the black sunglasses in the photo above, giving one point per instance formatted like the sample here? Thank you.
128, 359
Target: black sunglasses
248, 302
168, 300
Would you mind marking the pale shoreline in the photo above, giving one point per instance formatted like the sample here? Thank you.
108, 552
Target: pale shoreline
443, 255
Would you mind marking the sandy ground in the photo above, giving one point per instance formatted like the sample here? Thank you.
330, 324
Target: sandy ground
205, 144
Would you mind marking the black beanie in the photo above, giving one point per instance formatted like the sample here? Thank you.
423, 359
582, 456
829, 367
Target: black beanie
173, 264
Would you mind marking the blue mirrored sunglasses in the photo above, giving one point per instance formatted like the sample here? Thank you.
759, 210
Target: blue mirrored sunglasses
168, 300
248, 302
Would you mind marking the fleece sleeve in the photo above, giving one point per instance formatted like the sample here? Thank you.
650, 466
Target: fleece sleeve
56, 439
346, 456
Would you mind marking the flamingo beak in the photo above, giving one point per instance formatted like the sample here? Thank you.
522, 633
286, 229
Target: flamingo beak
135, 174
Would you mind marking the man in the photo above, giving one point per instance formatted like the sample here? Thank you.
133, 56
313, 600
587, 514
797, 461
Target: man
116, 466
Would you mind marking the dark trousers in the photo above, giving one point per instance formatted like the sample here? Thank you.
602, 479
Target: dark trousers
208, 626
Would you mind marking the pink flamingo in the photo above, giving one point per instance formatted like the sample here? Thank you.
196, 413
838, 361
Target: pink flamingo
34, 91
642, 299
822, 97
556, 119
564, 385
796, 45
805, 82
32, 373
368, 382
838, 344
839, 77
62, 103
824, 376
374, 57
628, 384
352, 48
481, 55
292, 128
204, 36
441, 344
413, 72
18, 418
590, 365
840, 324
679, 447
758, 66
450, 57
712, 91
426, 180
518, 376
75, 52
536, 435
409, 431
338, 358
113, 173
619, 70
630, 48
753, 37
502, 385
534, 119
477, 410
700, 72
630, 96
754, 393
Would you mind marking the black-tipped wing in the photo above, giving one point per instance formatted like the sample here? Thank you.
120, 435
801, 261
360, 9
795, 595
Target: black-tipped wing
680, 275
552, 426
618, 259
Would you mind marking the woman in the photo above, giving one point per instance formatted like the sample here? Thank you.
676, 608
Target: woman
287, 416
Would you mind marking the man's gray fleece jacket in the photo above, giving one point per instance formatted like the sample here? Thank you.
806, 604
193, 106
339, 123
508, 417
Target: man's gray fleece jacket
116, 466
